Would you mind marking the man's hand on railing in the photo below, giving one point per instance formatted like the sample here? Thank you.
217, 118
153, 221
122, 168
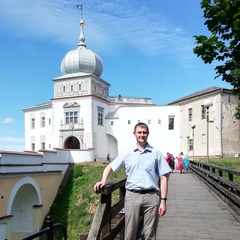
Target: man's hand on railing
107, 171
98, 186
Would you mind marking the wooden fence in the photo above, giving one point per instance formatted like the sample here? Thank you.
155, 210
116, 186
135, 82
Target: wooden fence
221, 181
108, 222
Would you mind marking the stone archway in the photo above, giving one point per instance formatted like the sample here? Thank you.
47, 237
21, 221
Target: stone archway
72, 143
24, 196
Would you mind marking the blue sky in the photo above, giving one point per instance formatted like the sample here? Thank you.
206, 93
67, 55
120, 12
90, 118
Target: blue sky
146, 48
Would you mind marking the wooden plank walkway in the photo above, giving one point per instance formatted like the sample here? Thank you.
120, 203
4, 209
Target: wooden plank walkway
194, 213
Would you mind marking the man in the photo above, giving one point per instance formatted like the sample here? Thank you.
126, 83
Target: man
145, 167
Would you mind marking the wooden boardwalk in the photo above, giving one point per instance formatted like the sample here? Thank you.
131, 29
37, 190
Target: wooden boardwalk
194, 213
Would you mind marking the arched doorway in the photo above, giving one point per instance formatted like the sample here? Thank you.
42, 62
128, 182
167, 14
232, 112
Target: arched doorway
72, 143
24, 195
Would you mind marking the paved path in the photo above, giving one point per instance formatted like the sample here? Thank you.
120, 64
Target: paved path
194, 213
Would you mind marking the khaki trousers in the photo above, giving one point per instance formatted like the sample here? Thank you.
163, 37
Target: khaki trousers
137, 205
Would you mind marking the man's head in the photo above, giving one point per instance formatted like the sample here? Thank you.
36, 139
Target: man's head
141, 125
141, 132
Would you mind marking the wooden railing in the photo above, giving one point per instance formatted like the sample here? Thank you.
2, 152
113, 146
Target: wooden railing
221, 181
108, 222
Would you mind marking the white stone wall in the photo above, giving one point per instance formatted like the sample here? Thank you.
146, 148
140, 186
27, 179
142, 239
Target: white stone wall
230, 125
38, 134
116, 133
223, 126
160, 137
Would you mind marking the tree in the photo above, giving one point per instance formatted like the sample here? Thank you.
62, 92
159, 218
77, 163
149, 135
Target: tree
223, 21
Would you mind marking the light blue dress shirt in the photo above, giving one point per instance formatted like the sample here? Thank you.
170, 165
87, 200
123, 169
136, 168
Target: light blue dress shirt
143, 168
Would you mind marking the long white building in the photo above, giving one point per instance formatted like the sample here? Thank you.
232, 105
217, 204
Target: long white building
82, 115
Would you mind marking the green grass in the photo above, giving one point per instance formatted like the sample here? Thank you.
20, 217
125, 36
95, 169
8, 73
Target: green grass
231, 163
76, 204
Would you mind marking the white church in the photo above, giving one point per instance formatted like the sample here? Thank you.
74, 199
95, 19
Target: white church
81, 115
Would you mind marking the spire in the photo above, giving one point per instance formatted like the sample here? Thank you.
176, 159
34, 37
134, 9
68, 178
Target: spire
81, 37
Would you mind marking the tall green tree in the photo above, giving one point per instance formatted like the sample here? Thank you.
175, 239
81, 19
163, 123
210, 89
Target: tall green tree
223, 43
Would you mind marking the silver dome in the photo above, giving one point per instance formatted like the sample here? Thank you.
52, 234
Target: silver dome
82, 59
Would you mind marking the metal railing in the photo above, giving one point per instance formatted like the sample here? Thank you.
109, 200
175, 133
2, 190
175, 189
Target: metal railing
48, 231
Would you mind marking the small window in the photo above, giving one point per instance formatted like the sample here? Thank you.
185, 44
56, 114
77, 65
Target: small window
170, 123
33, 146
43, 122
33, 123
203, 112
49, 121
111, 123
79, 87
100, 116
190, 144
139, 121
190, 114
149, 121
43, 145
129, 121
64, 88
159, 121
71, 88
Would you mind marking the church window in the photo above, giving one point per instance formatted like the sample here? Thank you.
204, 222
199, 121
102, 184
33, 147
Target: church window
100, 115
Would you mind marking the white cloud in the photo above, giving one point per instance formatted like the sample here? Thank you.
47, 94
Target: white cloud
8, 120
112, 25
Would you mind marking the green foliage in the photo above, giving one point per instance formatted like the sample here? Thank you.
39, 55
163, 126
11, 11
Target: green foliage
223, 21
76, 203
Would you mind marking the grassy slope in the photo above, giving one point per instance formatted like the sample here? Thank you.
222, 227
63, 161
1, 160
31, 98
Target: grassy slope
76, 204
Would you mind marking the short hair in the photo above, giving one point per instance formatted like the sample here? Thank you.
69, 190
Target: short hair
143, 125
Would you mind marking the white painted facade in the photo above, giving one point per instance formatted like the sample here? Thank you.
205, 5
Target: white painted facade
105, 124
224, 128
